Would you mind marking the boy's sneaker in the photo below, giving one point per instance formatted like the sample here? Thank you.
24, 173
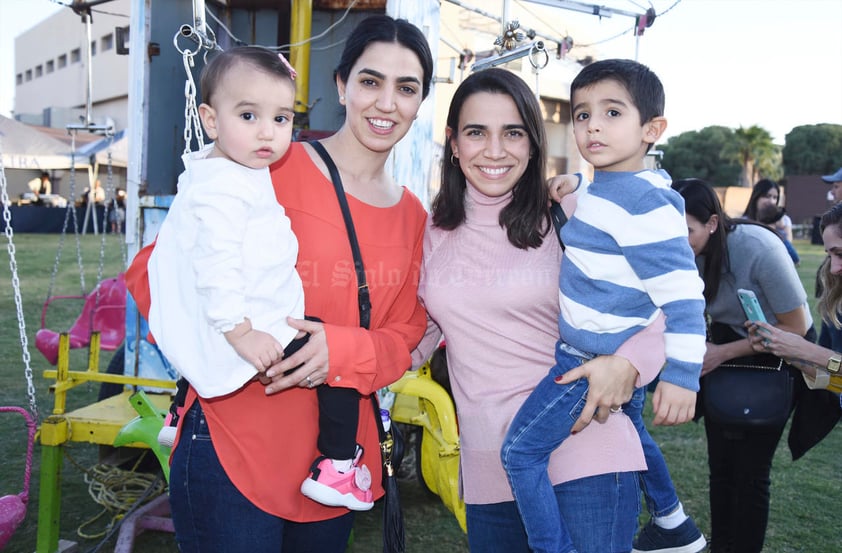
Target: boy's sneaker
328, 486
686, 538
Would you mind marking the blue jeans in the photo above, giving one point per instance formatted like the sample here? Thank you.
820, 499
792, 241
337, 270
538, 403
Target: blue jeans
656, 482
211, 515
542, 424
601, 512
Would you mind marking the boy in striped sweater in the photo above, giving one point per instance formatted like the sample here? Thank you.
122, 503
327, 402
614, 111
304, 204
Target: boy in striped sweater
627, 261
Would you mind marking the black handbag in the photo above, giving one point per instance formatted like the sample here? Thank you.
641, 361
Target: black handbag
753, 391
391, 440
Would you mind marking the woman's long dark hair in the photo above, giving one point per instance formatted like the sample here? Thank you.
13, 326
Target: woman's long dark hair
761, 188
701, 201
526, 217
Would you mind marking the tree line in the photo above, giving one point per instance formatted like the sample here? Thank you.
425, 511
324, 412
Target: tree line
742, 156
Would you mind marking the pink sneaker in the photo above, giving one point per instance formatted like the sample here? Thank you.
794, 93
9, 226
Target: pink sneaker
328, 486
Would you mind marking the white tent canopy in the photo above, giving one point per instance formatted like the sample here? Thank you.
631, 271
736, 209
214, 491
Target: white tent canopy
23, 147
118, 144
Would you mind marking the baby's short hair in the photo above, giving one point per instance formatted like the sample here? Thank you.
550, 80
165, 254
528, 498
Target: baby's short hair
258, 57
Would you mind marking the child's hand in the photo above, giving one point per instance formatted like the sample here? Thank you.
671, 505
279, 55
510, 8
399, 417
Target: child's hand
562, 185
673, 404
259, 348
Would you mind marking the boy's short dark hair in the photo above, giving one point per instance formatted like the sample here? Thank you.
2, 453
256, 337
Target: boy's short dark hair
260, 58
643, 85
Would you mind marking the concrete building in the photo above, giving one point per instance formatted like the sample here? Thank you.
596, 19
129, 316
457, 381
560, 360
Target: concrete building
51, 69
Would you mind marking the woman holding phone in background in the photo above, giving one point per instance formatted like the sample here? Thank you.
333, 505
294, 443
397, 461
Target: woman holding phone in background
733, 255
819, 365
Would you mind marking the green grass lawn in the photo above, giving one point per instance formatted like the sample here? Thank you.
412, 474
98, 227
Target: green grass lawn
804, 494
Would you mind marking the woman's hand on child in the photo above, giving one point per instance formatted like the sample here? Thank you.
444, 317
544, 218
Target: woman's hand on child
313, 358
611, 380
673, 404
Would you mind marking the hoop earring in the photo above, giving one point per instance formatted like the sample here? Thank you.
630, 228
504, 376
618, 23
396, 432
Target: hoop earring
454, 160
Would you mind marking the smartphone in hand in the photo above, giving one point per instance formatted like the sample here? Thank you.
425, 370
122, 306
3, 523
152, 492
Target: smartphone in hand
751, 306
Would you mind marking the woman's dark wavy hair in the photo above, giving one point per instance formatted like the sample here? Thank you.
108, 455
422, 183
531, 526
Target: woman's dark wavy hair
830, 299
526, 217
220, 64
760, 189
701, 201
382, 28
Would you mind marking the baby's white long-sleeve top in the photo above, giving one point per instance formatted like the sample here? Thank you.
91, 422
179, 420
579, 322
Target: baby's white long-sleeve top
225, 252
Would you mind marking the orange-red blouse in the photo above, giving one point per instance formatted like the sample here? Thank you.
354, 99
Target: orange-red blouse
267, 443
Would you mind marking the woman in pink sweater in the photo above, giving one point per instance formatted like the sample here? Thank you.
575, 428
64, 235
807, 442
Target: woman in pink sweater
490, 285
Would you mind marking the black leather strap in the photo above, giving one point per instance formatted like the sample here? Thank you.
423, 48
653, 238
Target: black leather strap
559, 219
363, 297
362, 286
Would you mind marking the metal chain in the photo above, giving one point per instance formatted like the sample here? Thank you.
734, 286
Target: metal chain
111, 189
13, 266
71, 209
72, 203
109, 193
192, 124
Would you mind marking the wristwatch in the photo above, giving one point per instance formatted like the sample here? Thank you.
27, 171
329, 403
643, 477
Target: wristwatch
833, 363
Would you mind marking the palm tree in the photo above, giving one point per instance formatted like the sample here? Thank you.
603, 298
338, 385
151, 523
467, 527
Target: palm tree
755, 150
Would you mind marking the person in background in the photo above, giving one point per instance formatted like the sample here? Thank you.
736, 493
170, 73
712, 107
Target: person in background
239, 458
821, 366
835, 182
95, 195
117, 213
490, 284
764, 207
39, 186
830, 336
734, 254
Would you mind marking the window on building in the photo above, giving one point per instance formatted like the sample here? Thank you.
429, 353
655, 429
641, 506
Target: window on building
93, 47
28, 75
62, 61
51, 66
107, 42
39, 71
75, 55
19, 79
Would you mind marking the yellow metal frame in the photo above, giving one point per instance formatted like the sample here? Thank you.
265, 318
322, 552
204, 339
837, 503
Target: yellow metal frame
98, 423
421, 401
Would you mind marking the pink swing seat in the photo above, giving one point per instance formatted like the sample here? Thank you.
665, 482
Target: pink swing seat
13, 507
108, 316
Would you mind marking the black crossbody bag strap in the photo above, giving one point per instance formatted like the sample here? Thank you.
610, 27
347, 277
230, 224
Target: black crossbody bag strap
393, 528
363, 297
559, 219
362, 287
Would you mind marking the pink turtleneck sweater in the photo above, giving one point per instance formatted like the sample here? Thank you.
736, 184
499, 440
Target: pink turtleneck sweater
497, 307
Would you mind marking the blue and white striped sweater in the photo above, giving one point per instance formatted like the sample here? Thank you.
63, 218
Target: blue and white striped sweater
627, 258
